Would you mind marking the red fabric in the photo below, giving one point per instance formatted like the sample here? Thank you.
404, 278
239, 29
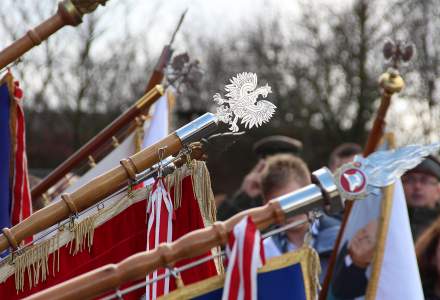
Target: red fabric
115, 240
189, 218
21, 207
245, 256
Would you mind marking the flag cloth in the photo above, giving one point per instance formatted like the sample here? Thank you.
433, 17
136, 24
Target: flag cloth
245, 254
114, 232
384, 266
15, 198
289, 276
159, 124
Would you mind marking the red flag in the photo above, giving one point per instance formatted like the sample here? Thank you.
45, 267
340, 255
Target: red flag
21, 207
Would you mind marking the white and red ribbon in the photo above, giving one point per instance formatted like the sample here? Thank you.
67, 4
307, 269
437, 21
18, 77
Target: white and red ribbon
21, 204
245, 253
160, 230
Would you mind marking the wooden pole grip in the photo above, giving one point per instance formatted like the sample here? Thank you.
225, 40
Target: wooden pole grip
106, 278
92, 192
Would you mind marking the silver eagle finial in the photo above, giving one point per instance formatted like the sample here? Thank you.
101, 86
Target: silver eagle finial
242, 102
379, 169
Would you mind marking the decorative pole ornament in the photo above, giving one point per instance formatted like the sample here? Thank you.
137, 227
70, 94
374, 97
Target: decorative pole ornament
396, 53
76, 9
242, 102
365, 175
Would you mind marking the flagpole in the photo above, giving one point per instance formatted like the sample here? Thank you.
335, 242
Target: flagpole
110, 277
391, 83
70, 12
152, 92
142, 105
167, 52
109, 182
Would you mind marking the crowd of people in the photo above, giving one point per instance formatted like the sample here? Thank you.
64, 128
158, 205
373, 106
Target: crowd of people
281, 170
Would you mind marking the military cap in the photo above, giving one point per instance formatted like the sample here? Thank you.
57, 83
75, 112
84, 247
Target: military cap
431, 166
276, 144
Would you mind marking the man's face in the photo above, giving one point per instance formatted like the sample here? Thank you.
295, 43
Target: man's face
421, 189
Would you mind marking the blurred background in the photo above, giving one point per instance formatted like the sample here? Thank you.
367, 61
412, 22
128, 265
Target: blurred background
321, 58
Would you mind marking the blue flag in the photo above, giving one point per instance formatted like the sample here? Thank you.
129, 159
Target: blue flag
5, 155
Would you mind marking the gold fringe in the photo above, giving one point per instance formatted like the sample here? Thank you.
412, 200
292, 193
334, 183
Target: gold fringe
35, 262
34, 259
201, 182
83, 231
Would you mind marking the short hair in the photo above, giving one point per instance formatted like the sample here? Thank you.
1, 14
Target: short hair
280, 169
344, 150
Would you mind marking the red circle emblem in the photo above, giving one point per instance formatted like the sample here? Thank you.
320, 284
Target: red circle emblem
353, 181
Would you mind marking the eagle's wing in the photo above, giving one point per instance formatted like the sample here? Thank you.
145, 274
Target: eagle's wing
237, 83
258, 114
384, 167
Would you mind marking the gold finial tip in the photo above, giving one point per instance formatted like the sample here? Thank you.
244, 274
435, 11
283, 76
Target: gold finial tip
87, 6
391, 81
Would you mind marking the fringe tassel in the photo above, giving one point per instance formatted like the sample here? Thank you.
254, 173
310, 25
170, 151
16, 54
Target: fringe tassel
83, 232
35, 261
315, 271
202, 189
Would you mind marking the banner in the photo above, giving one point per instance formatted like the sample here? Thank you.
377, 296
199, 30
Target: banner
290, 276
376, 258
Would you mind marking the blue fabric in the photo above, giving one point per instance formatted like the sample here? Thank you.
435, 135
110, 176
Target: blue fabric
284, 283
5, 152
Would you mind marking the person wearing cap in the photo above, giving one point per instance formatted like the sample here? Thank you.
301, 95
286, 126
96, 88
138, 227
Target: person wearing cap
249, 195
422, 192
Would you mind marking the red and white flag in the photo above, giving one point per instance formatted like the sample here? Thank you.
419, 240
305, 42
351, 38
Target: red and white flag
159, 230
245, 254
21, 204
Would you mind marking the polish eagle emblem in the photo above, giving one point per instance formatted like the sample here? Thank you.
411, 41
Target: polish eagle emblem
242, 102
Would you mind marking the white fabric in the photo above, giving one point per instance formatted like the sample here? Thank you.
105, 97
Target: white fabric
243, 233
271, 249
159, 122
399, 277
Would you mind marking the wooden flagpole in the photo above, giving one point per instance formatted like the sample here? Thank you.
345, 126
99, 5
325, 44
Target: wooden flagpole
152, 92
90, 193
70, 12
390, 82
110, 277
142, 105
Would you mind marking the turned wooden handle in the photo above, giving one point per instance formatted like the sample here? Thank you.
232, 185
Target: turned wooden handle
92, 192
110, 277
67, 14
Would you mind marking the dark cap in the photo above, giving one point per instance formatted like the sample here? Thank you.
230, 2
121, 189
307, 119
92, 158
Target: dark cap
431, 166
276, 144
